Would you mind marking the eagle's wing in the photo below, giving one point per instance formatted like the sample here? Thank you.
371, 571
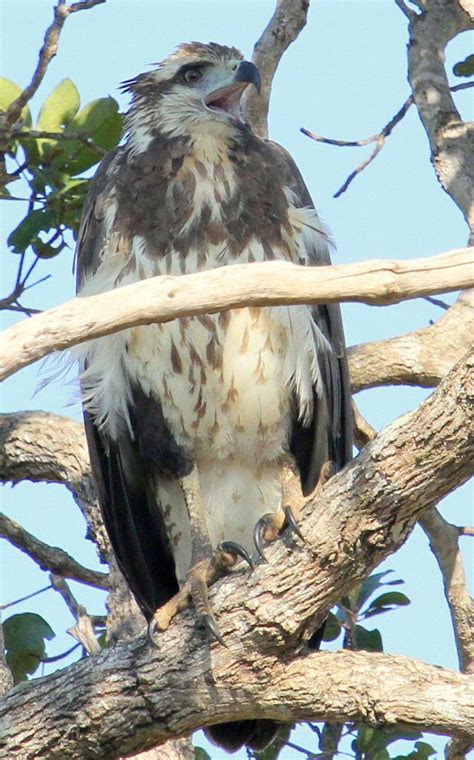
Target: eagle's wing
329, 437
121, 471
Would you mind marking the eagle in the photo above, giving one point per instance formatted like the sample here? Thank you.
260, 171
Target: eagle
199, 428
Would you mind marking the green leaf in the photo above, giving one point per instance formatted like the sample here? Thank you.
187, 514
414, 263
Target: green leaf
9, 91
201, 754
25, 635
422, 751
332, 628
100, 121
368, 640
464, 68
60, 107
372, 583
39, 220
45, 250
390, 599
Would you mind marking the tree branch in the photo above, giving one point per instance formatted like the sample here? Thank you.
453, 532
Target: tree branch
363, 514
451, 140
160, 299
50, 558
287, 21
46, 54
444, 543
45, 447
422, 357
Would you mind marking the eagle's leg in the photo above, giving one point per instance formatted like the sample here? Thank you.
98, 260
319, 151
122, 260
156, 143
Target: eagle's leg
206, 567
269, 527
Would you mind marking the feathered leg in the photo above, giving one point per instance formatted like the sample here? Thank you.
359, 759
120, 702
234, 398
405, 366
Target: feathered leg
207, 565
269, 527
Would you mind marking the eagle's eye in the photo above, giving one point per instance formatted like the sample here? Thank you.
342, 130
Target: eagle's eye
191, 75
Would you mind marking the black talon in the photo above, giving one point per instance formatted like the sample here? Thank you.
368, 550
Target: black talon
290, 519
258, 537
151, 631
208, 622
233, 548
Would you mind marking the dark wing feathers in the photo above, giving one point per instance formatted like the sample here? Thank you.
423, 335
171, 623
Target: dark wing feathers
330, 434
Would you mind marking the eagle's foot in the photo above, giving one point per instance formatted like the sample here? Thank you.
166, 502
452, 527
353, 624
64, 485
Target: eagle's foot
269, 527
202, 575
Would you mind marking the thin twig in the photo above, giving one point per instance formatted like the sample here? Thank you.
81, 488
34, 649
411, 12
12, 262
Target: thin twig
83, 630
437, 302
46, 54
466, 531
25, 598
50, 557
77, 136
57, 657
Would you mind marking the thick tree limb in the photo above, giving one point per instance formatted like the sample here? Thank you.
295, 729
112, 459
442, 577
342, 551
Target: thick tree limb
50, 557
49, 448
287, 21
127, 698
422, 357
160, 299
444, 543
451, 140
135, 697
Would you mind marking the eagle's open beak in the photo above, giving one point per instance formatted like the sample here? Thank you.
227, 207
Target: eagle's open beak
228, 98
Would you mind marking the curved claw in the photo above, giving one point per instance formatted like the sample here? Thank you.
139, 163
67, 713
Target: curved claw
152, 631
233, 548
290, 519
258, 532
208, 622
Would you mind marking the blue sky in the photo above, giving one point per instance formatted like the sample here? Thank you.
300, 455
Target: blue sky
344, 78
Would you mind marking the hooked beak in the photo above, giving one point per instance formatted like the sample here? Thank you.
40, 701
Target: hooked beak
227, 98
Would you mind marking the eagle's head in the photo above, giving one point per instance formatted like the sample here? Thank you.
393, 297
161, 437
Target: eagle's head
197, 88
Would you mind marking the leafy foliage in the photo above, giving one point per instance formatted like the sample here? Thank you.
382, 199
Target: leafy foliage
464, 68
25, 648
66, 142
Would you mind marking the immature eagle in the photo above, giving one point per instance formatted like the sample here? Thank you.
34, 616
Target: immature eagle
192, 424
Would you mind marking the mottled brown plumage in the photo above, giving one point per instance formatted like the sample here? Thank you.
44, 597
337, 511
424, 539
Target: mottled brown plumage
190, 423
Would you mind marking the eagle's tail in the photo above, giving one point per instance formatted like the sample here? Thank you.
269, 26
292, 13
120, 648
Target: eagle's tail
254, 734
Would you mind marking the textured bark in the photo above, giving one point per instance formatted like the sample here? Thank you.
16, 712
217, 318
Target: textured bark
49, 448
287, 21
135, 697
451, 140
422, 357
50, 558
160, 299
444, 542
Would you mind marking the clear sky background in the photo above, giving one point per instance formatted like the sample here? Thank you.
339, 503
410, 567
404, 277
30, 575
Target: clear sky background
344, 78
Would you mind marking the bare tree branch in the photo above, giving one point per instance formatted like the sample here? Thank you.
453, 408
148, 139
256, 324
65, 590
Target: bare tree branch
45, 447
363, 514
444, 544
287, 21
50, 557
422, 357
47, 53
82, 630
160, 299
451, 140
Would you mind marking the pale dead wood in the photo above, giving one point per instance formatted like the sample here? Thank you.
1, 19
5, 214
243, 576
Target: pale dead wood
50, 557
362, 515
444, 543
422, 357
160, 299
286, 23
82, 630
